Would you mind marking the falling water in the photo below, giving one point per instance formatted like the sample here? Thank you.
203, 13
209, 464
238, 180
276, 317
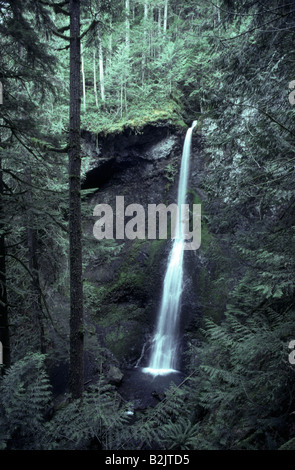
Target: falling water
164, 353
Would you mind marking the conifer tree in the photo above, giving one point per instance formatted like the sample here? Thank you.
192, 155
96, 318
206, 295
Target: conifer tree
75, 232
4, 327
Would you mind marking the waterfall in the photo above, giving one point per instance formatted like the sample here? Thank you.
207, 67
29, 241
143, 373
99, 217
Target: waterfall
164, 352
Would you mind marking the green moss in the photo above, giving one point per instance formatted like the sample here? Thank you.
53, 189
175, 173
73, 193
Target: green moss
115, 335
213, 282
128, 283
93, 295
115, 314
122, 339
134, 251
167, 112
212, 296
170, 171
130, 279
156, 247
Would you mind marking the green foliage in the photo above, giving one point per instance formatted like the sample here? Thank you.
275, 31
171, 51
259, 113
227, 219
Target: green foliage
139, 116
181, 435
244, 380
117, 314
170, 171
156, 248
25, 395
169, 415
98, 420
25, 401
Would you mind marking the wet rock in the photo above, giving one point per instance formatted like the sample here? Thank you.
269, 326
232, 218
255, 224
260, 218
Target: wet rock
111, 156
115, 376
158, 396
161, 149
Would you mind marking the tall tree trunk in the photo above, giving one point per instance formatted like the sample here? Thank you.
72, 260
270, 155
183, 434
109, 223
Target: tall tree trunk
94, 79
165, 16
100, 62
143, 58
110, 48
100, 56
121, 99
127, 22
125, 100
126, 73
34, 265
83, 79
159, 30
4, 328
76, 373
218, 11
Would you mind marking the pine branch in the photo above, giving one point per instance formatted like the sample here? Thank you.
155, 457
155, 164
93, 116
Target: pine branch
67, 38
31, 185
59, 35
41, 293
58, 7
256, 27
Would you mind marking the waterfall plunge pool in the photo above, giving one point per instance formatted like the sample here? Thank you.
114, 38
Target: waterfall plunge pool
150, 370
147, 389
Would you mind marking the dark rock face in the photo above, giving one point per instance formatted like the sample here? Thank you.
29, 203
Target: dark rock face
115, 376
126, 284
114, 155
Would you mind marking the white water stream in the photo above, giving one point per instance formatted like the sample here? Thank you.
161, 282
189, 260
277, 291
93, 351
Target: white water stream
164, 357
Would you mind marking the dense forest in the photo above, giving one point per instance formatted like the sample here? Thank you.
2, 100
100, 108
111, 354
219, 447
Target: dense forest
96, 99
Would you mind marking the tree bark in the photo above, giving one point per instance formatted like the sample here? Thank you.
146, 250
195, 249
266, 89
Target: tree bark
94, 80
127, 22
159, 21
165, 16
76, 373
110, 47
218, 11
83, 79
100, 56
100, 62
121, 99
34, 265
4, 328
143, 58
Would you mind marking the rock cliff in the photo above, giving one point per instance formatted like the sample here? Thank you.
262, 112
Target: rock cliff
124, 277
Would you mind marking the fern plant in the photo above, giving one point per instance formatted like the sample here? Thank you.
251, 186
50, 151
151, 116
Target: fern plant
179, 435
97, 420
25, 395
244, 384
